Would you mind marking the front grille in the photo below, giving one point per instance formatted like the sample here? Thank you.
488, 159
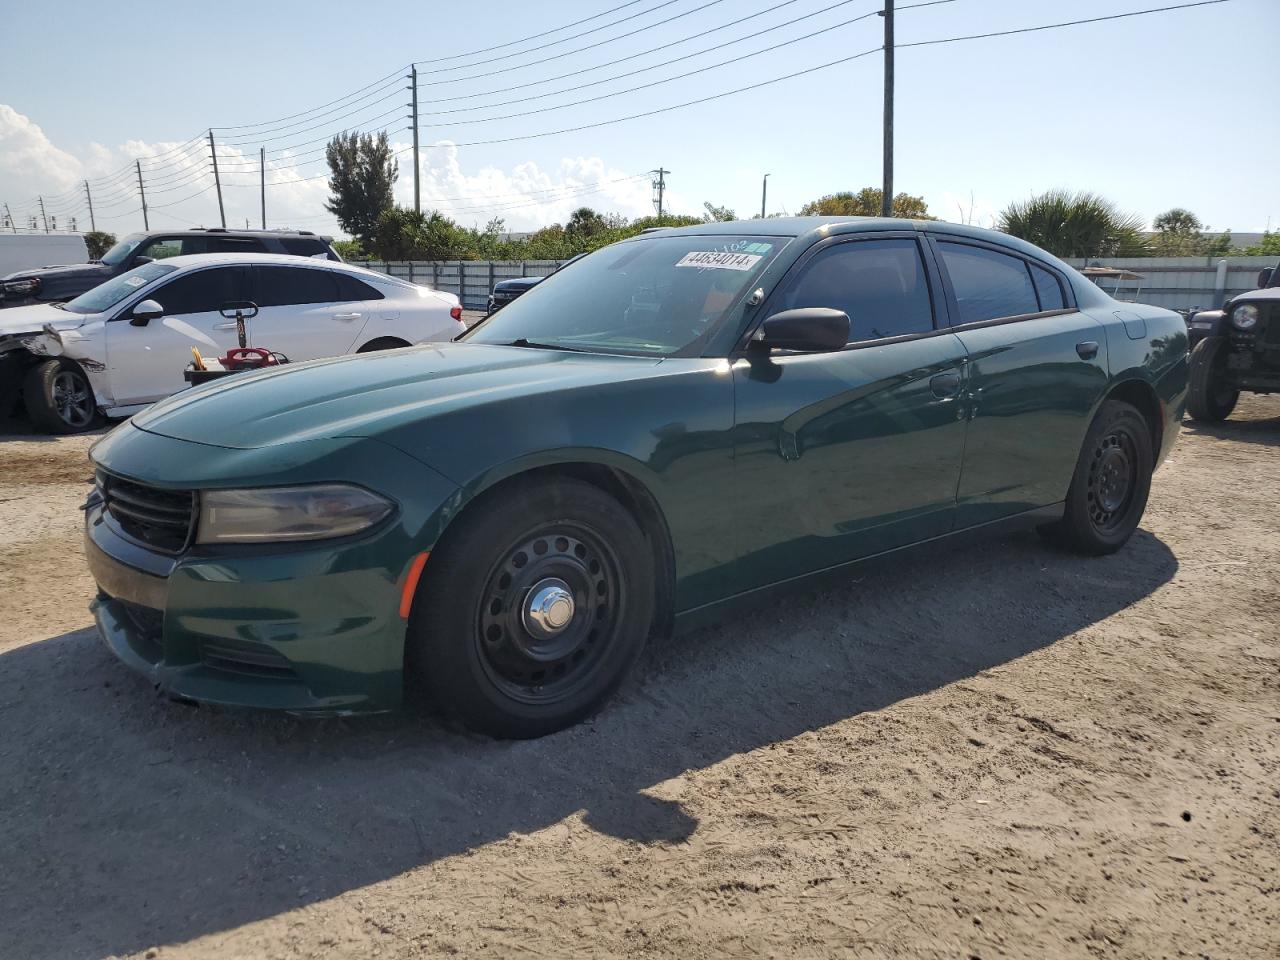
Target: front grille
159, 518
1270, 332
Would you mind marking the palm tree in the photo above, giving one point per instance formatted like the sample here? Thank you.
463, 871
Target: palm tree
1075, 225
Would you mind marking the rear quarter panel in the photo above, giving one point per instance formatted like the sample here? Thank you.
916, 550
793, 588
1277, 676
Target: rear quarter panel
1149, 344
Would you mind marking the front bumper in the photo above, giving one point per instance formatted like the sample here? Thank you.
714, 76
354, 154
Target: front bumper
311, 629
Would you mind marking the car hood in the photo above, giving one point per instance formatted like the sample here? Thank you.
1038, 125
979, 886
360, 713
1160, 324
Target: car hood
518, 285
367, 394
67, 271
20, 320
1267, 293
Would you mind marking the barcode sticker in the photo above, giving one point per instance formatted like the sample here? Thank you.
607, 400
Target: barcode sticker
718, 261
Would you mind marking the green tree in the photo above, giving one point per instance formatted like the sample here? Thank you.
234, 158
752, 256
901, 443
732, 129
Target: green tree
403, 234
716, 214
866, 203
1267, 246
1074, 225
99, 243
362, 173
349, 250
1179, 233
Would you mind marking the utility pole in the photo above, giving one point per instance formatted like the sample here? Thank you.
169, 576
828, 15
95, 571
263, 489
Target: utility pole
262, 165
660, 185
88, 196
217, 182
764, 193
886, 198
417, 193
42, 214
143, 194
8, 213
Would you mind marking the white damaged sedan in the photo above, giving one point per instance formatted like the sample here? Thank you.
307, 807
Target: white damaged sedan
124, 344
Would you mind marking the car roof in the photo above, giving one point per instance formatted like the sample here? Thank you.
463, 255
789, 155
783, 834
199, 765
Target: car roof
284, 259
228, 232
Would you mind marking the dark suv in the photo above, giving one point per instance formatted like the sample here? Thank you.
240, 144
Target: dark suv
1235, 348
54, 284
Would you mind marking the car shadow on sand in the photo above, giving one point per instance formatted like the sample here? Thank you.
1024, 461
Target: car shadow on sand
131, 821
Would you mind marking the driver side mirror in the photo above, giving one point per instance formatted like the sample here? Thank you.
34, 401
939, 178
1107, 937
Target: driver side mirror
144, 312
1264, 276
808, 329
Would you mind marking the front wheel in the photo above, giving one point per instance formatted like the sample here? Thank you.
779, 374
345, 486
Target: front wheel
532, 609
1208, 397
58, 397
1111, 483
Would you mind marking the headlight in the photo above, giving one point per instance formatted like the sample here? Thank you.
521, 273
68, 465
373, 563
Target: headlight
1245, 316
22, 288
288, 514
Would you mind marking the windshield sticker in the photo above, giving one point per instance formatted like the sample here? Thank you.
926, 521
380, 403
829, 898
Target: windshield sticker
135, 281
718, 261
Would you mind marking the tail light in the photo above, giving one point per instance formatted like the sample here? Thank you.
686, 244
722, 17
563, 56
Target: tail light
456, 313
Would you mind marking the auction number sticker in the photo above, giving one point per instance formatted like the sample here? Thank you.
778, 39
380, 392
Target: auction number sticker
135, 281
719, 261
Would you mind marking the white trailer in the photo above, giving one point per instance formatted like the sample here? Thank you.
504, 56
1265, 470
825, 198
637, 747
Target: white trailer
24, 251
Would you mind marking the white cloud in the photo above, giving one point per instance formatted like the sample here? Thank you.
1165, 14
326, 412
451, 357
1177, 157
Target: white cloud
180, 186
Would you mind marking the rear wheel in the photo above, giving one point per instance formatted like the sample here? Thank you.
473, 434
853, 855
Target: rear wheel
58, 397
1208, 396
532, 609
383, 343
1111, 483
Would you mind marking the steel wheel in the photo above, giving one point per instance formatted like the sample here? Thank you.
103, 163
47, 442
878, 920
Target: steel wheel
72, 398
547, 611
1111, 480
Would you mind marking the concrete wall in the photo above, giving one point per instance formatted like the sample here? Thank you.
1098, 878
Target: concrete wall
1182, 283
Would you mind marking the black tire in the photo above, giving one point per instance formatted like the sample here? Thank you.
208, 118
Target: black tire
58, 397
472, 638
383, 343
1110, 485
1207, 398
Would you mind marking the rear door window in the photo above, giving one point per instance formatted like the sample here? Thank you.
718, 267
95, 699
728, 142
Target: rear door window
235, 245
201, 291
988, 285
284, 286
351, 288
880, 284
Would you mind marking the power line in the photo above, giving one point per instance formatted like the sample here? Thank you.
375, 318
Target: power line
1067, 23
553, 43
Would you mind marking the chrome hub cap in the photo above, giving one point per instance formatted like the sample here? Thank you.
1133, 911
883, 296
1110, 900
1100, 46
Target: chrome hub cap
548, 609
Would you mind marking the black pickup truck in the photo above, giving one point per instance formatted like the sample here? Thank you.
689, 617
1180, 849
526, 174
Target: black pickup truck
56, 284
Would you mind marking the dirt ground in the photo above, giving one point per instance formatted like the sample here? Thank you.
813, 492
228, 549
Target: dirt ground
995, 750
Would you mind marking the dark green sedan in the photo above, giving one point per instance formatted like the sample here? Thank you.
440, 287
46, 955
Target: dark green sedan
668, 428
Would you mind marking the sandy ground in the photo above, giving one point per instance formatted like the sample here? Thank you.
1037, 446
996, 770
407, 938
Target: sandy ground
995, 750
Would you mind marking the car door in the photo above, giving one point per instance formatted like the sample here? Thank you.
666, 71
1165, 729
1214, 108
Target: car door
842, 455
146, 362
303, 312
1038, 367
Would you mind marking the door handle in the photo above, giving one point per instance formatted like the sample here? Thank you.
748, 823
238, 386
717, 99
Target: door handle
1088, 349
945, 385
346, 316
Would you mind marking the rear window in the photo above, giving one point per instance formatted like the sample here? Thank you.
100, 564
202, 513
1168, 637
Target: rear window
304, 247
1048, 289
235, 245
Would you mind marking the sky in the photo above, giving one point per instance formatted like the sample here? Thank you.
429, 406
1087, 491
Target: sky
1171, 109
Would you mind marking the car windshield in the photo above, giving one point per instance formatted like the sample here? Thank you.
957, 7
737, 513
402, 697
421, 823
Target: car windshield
654, 296
107, 295
120, 252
